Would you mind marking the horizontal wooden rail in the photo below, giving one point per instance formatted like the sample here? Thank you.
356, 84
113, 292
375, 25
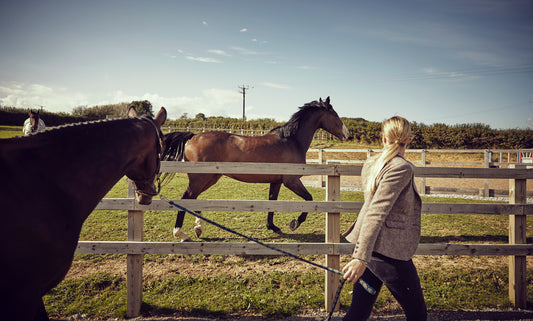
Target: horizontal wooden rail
302, 206
337, 170
247, 248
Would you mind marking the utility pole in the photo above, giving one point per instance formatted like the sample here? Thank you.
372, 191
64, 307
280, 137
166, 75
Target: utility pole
243, 89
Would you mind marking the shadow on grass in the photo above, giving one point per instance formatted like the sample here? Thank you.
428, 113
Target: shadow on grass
300, 238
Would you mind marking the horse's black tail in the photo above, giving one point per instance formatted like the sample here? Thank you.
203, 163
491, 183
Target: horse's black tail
174, 151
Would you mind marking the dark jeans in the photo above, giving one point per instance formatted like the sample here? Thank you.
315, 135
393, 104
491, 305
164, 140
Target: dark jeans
401, 279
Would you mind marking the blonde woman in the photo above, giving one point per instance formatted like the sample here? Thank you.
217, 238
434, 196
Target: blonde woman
387, 230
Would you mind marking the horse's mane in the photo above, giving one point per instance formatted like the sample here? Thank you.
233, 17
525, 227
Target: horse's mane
86, 123
90, 124
67, 130
291, 127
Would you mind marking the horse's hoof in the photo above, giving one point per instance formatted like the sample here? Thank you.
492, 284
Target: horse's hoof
184, 237
293, 225
176, 232
198, 230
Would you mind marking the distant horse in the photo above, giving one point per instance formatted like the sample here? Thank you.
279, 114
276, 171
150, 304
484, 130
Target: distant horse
33, 125
285, 144
50, 184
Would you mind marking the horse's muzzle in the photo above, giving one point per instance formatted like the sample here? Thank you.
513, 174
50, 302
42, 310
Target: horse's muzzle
345, 133
144, 197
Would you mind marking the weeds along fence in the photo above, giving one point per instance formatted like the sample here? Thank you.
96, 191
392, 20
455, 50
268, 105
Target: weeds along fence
497, 158
517, 211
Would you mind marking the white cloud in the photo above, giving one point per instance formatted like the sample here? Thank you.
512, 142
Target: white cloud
218, 52
24, 95
530, 122
243, 30
203, 59
276, 86
245, 51
205, 23
434, 73
211, 102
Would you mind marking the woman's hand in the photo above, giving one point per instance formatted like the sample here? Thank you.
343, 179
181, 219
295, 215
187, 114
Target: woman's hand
353, 270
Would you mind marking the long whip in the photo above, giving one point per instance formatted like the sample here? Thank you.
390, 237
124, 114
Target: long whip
337, 294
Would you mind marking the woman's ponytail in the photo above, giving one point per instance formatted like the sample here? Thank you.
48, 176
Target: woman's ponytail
396, 134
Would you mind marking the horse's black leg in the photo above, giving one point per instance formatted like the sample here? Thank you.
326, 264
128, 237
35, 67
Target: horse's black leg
272, 196
41, 314
179, 219
297, 187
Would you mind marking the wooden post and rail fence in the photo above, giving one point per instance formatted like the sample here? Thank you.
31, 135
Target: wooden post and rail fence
332, 248
506, 158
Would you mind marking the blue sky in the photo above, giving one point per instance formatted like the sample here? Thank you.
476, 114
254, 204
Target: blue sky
452, 62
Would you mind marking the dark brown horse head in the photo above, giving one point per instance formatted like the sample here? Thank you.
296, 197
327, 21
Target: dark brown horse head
331, 122
144, 171
34, 120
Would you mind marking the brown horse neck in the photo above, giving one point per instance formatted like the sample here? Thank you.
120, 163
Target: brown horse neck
66, 163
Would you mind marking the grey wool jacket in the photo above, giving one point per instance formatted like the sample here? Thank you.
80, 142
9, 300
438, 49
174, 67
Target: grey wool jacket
389, 221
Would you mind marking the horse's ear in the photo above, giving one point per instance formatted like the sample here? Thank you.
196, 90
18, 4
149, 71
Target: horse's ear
161, 117
327, 100
132, 113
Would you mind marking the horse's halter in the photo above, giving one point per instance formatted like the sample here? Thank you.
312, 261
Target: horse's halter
149, 181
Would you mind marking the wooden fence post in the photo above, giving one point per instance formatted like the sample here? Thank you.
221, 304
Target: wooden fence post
423, 179
320, 161
517, 235
333, 188
134, 262
486, 164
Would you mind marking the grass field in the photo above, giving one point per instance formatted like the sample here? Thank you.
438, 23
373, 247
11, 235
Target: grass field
10, 131
219, 285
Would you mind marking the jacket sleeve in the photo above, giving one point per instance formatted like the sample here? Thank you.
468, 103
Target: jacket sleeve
391, 182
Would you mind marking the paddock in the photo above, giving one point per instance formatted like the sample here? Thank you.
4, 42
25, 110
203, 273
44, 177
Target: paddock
332, 248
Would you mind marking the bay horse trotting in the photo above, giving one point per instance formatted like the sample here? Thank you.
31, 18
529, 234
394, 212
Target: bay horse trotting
284, 144
50, 184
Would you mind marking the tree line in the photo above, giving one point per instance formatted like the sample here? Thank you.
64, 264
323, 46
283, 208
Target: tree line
435, 136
